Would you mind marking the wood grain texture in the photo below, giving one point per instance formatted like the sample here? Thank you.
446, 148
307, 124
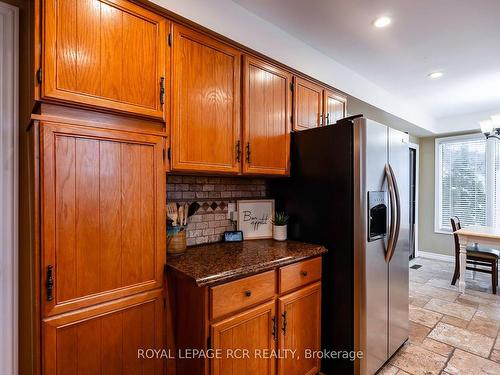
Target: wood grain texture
105, 339
103, 214
206, 109
267, 111
335, 106
299, 274
104, 53
307, 103
303, 329
250, 330
233, 296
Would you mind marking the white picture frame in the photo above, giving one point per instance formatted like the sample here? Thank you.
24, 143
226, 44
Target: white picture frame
255, 218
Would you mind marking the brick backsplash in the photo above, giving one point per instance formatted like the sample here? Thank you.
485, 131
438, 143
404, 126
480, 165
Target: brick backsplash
213, 195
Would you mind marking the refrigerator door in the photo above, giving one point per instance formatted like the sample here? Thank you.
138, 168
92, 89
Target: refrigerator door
399, 263
371, 276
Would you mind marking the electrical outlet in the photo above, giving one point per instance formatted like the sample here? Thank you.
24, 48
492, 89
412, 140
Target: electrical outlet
231, 211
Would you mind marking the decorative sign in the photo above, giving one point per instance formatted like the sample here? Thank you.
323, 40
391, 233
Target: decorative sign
255, 218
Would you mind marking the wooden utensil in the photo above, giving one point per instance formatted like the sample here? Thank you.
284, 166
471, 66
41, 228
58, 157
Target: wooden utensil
172, 213
186, 209
180, 214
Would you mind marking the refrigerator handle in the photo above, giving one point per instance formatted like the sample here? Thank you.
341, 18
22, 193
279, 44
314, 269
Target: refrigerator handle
393, 205
395, 213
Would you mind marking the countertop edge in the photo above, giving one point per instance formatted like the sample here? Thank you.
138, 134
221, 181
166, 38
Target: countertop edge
247, 271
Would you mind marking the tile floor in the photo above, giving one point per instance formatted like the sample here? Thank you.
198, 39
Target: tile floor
449, 333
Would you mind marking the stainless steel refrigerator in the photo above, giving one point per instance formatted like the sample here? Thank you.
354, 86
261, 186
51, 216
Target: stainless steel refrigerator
348, 190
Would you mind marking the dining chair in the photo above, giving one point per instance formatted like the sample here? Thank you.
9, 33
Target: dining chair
479, 258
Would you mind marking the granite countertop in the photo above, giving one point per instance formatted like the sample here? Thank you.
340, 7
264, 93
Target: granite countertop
221, 262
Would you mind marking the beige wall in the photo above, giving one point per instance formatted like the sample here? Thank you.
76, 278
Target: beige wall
428, 240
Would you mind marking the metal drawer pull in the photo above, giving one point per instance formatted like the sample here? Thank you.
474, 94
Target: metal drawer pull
248, 293
303, 273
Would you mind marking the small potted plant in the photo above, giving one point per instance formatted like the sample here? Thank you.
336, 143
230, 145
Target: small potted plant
280, 222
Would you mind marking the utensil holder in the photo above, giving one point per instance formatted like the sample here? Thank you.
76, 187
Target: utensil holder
176, 240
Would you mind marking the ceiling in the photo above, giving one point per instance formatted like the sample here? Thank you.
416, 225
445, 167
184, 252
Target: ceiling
459, 37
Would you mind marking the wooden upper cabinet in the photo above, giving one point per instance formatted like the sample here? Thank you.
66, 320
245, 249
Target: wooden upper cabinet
335, 106
106, 339
251, 330
267, 111
206, 103
103, 208
300, 329
308, 104
104, 53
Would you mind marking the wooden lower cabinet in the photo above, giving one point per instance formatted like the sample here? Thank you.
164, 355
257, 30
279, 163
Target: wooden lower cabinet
269, 335
241, 338
111, 338
300, 330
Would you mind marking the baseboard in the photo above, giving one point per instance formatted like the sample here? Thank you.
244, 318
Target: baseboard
429, 255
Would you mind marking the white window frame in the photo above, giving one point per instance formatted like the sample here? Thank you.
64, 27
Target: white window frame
437, 177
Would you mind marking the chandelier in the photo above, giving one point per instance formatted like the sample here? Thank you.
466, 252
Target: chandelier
491, 127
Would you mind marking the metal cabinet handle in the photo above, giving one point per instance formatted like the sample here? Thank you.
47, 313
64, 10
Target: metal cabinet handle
50, 283
238, 151
283, 323
320, 119
328, 118
248, 293
248, 152
162, 90
303, 273
275, 328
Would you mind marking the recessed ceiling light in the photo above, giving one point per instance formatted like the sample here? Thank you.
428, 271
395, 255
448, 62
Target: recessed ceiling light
435, 75
382, 22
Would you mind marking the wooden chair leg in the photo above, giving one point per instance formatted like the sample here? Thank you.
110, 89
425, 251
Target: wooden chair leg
494, 277
456, 274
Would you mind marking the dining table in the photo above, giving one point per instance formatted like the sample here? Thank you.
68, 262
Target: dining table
486, 236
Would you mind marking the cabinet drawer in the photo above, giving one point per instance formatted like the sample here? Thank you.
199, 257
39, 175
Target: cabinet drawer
299, 274
239, 294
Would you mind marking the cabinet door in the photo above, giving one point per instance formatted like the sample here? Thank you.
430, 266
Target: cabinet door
103, 215
106, 339
206, 103
251, 331
104, 53
300, 329
267, 103
308, 104
335, 107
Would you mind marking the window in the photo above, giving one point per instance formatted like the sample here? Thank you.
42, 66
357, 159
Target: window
467, 181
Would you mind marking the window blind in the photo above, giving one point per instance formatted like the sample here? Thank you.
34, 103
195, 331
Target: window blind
496, 184
462, 164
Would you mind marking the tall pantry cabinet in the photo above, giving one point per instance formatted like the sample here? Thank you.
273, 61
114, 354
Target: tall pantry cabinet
95, 269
